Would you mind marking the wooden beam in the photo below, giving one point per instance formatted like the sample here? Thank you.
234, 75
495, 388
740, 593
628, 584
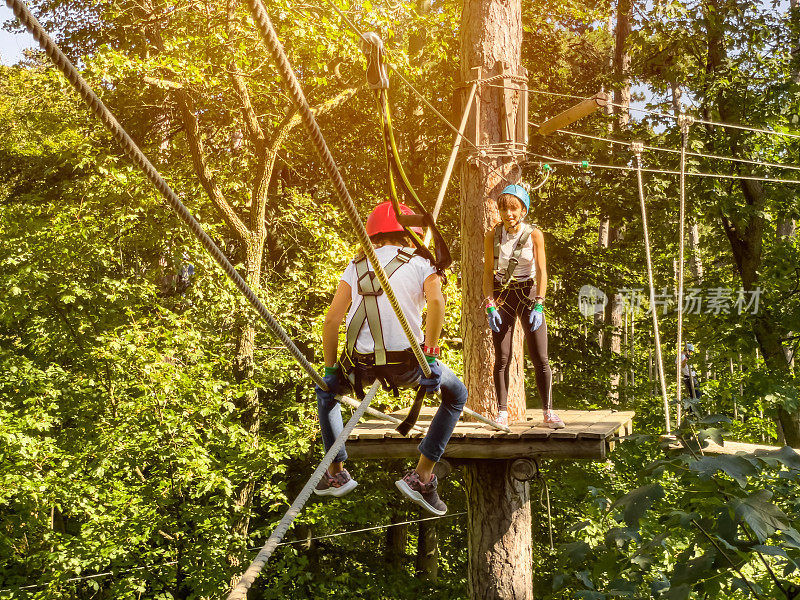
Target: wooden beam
483, 449
569, 116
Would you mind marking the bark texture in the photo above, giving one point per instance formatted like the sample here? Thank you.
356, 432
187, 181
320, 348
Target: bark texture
499, 521
491, 33
427, 563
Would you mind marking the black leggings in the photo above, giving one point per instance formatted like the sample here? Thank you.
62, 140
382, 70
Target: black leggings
517, 301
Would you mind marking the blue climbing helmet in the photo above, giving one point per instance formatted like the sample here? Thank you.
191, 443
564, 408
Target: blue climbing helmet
520, 193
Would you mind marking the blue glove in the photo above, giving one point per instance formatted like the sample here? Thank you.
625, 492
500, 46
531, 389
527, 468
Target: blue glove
494, 319
431, 384
537, 316
332, 380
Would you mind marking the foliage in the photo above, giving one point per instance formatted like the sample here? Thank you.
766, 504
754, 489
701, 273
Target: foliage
122, 446
696, 526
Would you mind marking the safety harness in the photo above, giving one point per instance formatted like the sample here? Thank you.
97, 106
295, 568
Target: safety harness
351, 361
369, 288
378, 80
513, 260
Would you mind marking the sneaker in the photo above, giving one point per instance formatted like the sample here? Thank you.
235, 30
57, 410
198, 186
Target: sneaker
502, 418
335, 485
552, 420
423, 494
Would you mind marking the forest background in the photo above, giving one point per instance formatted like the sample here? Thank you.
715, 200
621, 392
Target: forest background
152, 433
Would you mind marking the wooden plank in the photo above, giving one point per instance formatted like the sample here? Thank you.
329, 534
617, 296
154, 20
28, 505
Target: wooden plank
574, 424
607, 425
483, 449
584, 437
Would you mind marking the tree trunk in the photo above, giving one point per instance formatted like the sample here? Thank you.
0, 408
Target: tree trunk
396, 541
491, 32
621, 64
499, 521
695, 263
248, 403
745, 231
427, 564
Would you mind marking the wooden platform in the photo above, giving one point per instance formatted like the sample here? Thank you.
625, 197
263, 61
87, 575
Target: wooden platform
588, 434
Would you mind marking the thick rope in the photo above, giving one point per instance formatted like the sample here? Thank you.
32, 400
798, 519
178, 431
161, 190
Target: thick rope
249, 576
684, 123
140, 160
294, 90
637, 151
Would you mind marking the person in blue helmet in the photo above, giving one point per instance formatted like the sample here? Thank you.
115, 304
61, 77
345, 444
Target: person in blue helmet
689, 374
514, 286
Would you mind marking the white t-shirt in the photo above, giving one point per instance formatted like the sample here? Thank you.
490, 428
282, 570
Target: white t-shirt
685, 367
408, 285
526, 267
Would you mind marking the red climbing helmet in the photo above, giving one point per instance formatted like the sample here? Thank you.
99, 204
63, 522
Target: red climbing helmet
383, 220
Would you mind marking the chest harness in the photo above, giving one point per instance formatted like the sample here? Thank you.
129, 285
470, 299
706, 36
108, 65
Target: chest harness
351, 361
509, 282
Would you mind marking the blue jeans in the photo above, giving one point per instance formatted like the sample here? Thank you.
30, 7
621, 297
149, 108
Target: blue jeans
454, 396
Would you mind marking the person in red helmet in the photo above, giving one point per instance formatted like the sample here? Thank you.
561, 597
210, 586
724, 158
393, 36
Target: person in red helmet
376, 348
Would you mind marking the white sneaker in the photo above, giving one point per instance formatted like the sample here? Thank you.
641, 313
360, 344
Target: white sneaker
552, 420
337, 485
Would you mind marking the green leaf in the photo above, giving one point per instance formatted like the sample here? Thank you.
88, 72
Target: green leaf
761, 515
637, 502
737, 467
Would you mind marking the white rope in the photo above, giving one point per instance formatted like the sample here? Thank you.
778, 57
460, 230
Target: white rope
747, 161
249, 576
637, 150
591, 165
684, 123
674, 117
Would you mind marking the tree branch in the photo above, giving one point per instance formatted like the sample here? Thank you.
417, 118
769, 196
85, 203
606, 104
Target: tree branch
239, 84
201, 167
266, 162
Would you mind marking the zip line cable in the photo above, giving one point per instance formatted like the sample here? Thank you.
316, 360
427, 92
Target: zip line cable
136, 155
574, 163
673, 151
290, 543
